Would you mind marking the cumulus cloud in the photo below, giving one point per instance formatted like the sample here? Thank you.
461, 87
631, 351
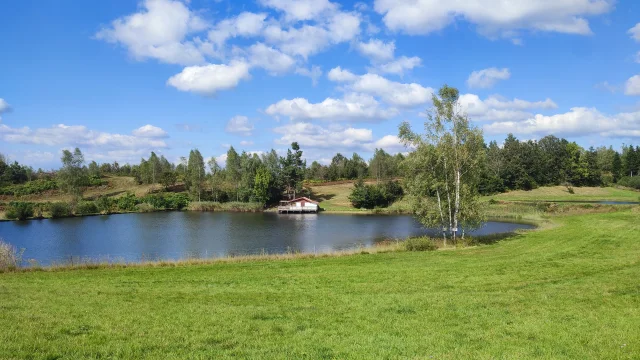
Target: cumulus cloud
239, 125
246, 24
398, 66
77, 135
487, 78
270, 59
391, 92
632, 86
634, 32
335, 138
300, 10
579, 121
150, 131
315, 136
211, 78
496, 108
308, 40
158, 31
314, 73
492, 18
354, 107
377, 50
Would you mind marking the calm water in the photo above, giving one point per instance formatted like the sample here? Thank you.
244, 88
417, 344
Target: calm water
176, 235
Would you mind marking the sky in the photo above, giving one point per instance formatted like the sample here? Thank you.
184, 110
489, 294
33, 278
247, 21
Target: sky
119, 79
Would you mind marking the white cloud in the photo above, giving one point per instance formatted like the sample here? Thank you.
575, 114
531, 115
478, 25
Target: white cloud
635, 32
339, 75
632, 86
391, 92
579, 121
334, 138
355, 107
4, 107
246, 24
270, 59
496, 108
158, 31
150, 131
309, 40
77, 135
246, 143
398, 66
239, 125
208, 79
377, 50
492, 18
299, 10
315, 136
486, 78
315, 72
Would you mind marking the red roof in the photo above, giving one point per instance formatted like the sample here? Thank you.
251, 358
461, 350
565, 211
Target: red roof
301, 199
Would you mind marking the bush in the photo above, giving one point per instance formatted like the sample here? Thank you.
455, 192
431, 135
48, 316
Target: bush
59, 210
104, 204
10, 257
371, 196
127, 202
167, 201
86, 208
29, 188
19, 210
630, 181
420, 244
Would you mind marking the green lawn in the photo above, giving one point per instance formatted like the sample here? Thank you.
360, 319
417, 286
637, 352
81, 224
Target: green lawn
568, 291
560, 193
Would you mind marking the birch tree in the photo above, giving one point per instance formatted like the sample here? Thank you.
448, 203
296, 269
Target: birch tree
442, 173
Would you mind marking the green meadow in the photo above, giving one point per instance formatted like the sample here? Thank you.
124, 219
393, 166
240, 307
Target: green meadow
567, 290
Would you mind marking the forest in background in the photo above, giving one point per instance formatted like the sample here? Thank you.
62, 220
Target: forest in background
267, 178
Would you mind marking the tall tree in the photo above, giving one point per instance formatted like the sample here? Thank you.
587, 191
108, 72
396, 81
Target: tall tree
234, 170
73, 175
262, 184
195, 174
293, 168
441, 173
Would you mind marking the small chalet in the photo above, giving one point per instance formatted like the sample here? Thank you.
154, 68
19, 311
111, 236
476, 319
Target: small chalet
300, 205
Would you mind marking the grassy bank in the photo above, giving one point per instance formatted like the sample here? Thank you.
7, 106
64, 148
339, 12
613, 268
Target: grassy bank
568, 291
560, 193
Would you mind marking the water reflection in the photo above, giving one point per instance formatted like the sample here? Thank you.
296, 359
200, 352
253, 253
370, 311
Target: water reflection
175, 235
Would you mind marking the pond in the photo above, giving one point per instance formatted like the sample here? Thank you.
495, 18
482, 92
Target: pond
179, 235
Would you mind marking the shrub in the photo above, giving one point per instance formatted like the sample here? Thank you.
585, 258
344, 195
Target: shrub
19, 210
630, 181
104, 204
420, 244
10, 257
86, 208
127, 202
167, 201
59, 210
31, 187
371, 196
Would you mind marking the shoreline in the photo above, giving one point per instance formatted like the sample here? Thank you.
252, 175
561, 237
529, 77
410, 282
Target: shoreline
385, 246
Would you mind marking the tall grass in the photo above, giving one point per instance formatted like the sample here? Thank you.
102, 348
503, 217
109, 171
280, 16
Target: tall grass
10, 257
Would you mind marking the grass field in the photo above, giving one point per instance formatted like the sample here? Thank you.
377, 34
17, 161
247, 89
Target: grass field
335, 197
567, 291
560, 193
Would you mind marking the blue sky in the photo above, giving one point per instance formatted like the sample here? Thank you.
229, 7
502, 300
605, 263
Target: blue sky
122, 78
